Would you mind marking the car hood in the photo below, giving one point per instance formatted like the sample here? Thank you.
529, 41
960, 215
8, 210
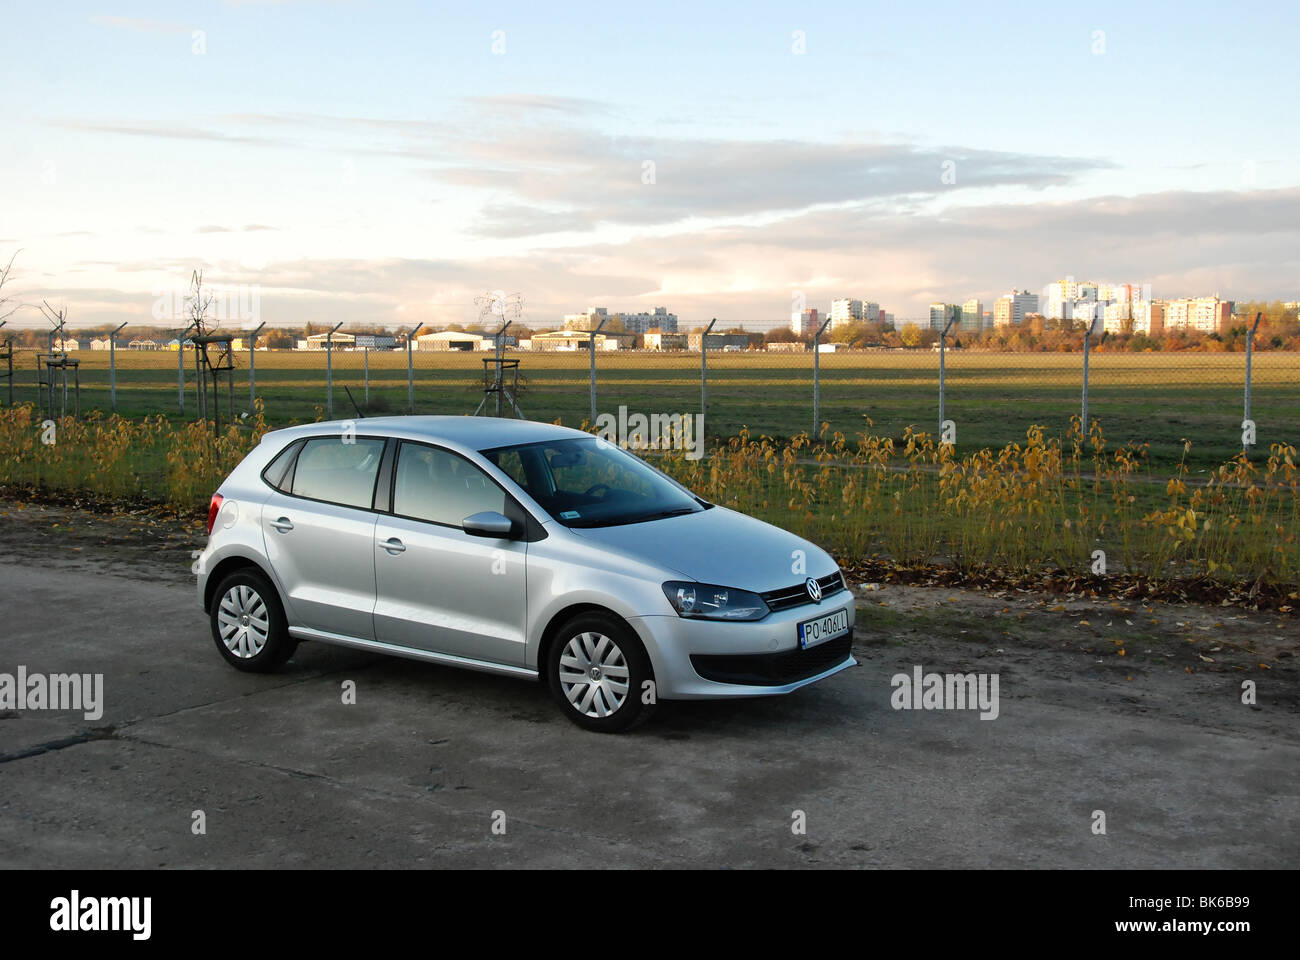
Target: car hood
717, 546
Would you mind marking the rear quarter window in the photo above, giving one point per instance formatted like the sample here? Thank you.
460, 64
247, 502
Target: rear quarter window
277, 471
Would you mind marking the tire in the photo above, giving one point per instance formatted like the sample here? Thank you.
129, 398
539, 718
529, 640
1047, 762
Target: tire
248, 623
615, 702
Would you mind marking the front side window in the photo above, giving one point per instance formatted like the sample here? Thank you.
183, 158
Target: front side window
441, 487
339, 472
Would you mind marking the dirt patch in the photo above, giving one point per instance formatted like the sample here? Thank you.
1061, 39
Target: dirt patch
1185, 660
144, 542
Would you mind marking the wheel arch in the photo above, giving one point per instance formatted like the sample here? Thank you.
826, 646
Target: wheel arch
562, 616
225, 568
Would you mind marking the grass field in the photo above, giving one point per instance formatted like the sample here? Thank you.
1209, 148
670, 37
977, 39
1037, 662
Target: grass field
992, 398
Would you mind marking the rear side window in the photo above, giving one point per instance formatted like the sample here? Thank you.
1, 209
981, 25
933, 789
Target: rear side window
435, 485
339, 472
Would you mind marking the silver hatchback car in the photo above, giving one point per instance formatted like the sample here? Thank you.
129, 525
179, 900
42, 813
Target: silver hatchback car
518, 548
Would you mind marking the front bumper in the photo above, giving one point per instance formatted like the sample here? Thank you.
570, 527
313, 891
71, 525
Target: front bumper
708, 660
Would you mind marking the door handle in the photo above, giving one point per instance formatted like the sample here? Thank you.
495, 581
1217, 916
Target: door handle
283, 524
393, 545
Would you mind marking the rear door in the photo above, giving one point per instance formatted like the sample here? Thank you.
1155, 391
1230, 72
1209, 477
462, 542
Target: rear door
437, 587
319, 527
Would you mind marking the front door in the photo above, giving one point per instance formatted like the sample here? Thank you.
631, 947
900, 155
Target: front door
437, 587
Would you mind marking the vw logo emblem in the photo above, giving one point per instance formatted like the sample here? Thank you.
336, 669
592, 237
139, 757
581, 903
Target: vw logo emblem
814, 589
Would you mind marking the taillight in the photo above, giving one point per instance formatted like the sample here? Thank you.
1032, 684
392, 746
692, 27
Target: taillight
214, 507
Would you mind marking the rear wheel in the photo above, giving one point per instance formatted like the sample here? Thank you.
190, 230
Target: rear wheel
248, 623
598, 672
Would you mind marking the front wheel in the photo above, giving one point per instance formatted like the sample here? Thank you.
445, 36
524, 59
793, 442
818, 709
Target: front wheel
600, 675
248, 623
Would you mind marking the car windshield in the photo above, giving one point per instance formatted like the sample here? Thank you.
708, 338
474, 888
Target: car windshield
590, 482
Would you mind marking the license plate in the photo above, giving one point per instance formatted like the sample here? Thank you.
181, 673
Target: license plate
813, 632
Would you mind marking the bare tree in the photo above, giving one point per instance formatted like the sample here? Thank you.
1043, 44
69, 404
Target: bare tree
197, 304
497, 308
7, 311
58, 321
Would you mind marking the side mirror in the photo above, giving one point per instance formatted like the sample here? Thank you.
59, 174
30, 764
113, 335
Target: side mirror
490, 524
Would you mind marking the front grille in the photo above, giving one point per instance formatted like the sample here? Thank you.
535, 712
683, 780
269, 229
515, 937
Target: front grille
797, 595
774, 669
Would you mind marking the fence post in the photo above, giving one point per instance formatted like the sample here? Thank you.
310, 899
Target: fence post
252, 366
1250, 353
817, 387
410, 370
112, 369
591, 351
1087, 350
943, 370
365, 359
704, 369
498, 353
329, 371
180, 368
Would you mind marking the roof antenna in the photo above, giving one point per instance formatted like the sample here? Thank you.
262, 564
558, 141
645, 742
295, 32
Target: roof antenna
360, 415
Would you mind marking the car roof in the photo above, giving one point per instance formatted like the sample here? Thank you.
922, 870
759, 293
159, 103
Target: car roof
469, 433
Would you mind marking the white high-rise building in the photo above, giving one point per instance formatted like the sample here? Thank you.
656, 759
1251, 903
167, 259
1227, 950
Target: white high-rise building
941, 313
1011, 309
1058, 299
1068, 300
805, 322
1085, 313
1203, 314
585, 321
660, 320
845, 310
972, 316
1149, 317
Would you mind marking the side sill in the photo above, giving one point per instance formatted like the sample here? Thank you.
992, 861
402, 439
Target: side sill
410, 653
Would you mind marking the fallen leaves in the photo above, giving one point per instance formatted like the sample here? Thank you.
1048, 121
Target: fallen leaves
1250, 596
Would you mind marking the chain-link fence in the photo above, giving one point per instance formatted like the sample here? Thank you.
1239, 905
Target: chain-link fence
989, 397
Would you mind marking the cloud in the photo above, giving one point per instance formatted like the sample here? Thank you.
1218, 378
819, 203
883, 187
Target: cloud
574, 180
517, 104
168, 133
248, 228
536, 166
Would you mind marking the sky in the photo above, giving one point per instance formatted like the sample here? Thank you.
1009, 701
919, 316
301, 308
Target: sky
392, 163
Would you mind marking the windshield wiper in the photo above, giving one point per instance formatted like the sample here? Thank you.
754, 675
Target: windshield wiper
635, 518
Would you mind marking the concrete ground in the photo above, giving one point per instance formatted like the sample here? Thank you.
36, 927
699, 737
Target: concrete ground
428, 760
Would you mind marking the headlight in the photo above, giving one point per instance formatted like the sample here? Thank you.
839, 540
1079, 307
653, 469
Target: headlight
708, 602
